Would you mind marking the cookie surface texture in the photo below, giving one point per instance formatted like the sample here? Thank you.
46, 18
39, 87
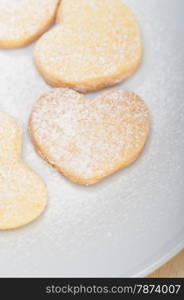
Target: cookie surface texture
89, 139
95, 44
23, 21
23, 194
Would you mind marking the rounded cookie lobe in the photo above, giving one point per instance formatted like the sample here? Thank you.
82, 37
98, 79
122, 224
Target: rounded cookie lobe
88, 140
95, 44
23, 194
23, 21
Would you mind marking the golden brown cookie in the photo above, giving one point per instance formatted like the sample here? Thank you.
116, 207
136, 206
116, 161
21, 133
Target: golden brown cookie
96, 44
23, 21
88, 140
23, 194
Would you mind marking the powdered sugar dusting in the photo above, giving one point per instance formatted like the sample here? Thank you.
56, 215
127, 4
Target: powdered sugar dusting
89, 138
22, 19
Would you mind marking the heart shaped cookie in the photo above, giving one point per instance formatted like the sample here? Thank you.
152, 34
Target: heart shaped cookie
94, 45
87, 140
23, 194
22, 21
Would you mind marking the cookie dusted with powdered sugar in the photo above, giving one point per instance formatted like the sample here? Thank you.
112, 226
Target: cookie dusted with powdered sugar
88, 140
22, 21
95, 44
23, 195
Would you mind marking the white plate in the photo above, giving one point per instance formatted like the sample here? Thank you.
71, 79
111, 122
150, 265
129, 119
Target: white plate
132, 222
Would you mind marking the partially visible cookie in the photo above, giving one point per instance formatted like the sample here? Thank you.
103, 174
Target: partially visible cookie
88, 140
96, 44
23, 194
22, 21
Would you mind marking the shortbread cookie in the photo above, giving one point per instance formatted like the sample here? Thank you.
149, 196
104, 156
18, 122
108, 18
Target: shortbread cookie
23, 194
22, 21
95, 44
87, 140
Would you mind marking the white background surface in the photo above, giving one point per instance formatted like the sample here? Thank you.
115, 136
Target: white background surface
133, 221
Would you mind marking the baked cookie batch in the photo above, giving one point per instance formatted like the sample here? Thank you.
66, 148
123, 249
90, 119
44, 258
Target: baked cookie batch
92, 45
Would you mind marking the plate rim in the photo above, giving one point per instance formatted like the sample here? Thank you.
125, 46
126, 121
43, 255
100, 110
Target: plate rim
163, 259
